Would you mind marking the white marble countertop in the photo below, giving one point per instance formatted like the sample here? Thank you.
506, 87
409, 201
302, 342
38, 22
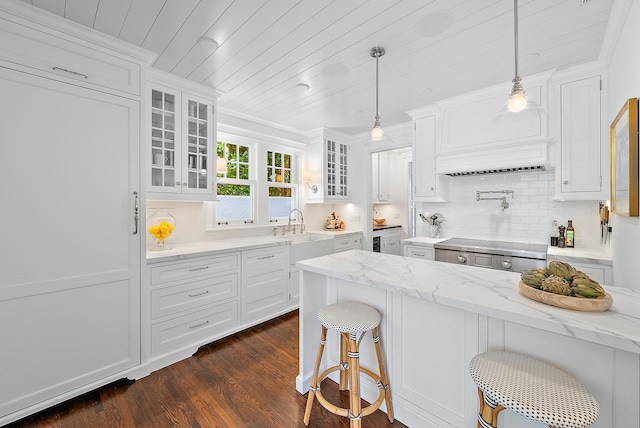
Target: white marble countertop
423, 241
585, 255
487, 292
208, 248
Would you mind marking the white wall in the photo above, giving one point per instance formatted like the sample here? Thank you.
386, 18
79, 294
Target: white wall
528, 218
624, 83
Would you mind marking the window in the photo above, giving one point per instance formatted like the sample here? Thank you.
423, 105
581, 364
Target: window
282, 193
235, 188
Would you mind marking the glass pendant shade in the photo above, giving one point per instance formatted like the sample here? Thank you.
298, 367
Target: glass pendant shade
377, 134
518, 97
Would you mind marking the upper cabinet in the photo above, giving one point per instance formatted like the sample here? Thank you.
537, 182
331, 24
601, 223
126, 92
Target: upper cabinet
380, 177
581, 167
427, 185
181, 132
329, 166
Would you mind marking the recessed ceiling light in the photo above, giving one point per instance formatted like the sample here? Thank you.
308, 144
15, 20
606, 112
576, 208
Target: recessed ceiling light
208, 43
434, 24
302, 87
335, 71
532, 57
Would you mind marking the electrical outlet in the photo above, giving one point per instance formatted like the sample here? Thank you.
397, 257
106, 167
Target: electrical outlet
264, 232
355, 219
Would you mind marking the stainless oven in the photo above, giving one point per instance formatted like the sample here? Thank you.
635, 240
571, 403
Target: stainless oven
511, 256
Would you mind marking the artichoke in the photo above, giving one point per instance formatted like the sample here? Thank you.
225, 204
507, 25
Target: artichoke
557, 285
533, 277
586, 287
561, 269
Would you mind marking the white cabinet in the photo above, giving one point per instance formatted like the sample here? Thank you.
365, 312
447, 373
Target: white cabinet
427, 185
390, 241
191, 303
181, 152
419, 252
581, 168
353, 241
265, 279
70, 282
330, 168
380, 177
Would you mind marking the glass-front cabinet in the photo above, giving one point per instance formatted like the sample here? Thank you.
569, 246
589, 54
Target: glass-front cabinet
337, 155
182, 154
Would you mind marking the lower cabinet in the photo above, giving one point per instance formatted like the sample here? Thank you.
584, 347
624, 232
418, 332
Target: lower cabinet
390, 241
352, 241
196, 301
265, 278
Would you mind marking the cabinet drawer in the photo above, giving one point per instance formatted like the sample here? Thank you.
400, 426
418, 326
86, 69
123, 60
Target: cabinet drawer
263, 305
269, 256
65, 60
178, 298
190, 329
419, 253
193, 270
266, 279
347, 243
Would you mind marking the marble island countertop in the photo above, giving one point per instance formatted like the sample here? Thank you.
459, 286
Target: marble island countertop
487, 292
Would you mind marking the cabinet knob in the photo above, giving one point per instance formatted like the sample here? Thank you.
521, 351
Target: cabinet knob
432, 188
178, 183
565, 182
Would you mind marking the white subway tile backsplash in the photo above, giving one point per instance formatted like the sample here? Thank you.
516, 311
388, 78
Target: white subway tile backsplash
528, 218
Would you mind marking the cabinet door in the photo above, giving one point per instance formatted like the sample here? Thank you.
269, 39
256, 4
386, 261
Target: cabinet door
197, 154
166, 150
70, 283
425, 162
580, 143
383, 176
337, 170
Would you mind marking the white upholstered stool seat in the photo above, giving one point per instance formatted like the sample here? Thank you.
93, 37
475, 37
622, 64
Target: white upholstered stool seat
531, 388
352, 320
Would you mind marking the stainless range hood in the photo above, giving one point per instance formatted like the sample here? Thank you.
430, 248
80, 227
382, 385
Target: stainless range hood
516, 157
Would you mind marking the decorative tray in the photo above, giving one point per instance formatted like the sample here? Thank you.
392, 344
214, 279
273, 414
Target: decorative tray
334, 230
599, 304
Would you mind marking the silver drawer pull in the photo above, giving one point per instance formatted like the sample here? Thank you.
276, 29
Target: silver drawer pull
418, 254
75, 73
267, 257
199, 294
200, 268
199, 325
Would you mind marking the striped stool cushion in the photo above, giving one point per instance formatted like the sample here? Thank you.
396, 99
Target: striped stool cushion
534, 389
349, 317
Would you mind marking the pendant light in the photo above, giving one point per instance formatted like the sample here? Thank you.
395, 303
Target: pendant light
518, 101
377, 134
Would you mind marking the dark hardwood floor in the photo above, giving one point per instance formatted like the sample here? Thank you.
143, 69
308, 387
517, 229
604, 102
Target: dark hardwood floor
245, 380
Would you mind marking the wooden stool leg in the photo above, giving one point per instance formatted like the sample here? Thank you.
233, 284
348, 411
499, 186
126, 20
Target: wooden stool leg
486, 415
344, 363
355, 411
383, 375
314, 377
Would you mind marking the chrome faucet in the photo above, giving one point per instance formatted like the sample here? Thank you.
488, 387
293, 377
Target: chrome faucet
301, 221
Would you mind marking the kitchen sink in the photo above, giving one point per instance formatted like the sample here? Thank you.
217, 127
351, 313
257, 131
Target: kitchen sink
308, 245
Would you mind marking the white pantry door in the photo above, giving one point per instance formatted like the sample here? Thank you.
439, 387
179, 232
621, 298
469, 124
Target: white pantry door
69, 258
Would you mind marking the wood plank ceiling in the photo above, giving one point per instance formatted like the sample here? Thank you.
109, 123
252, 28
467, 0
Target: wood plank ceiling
268, 47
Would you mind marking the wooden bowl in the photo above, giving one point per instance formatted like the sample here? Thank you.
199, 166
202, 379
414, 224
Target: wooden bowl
599, 304
379, 220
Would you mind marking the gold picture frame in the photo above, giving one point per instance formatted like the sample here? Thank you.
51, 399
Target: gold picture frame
624, 160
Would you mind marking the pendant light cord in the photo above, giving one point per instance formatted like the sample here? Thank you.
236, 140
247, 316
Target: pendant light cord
377, 116
515, 35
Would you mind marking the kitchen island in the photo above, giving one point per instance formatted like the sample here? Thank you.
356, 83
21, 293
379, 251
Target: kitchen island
437, 316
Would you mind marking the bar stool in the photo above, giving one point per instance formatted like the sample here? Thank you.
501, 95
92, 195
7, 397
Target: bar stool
350, 320
530, 388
